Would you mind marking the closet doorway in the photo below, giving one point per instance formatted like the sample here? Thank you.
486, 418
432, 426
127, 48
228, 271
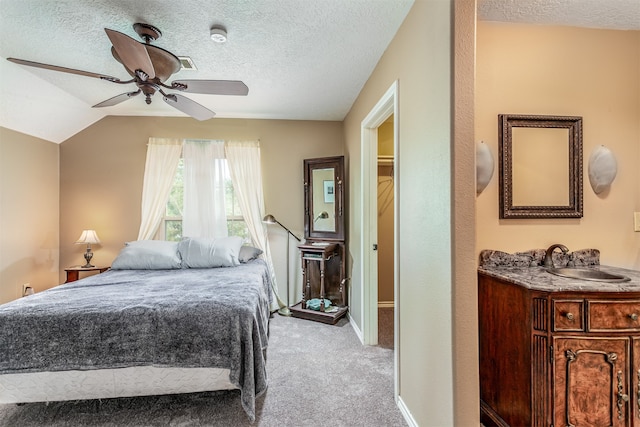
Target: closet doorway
384, 114
386, 271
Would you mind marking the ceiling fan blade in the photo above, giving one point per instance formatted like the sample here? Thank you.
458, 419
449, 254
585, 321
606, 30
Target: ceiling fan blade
116, 99
188, 106
134, 54
62, 69
214, 87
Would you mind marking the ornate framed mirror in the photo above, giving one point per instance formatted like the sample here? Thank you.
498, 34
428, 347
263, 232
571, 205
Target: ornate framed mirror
324, 198
540, 166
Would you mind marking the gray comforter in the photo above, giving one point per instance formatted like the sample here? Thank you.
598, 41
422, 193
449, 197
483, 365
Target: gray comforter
165, 318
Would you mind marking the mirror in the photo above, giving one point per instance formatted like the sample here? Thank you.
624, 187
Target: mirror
324, 198
540, 166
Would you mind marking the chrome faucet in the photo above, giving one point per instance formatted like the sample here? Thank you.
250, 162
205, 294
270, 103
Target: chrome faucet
548, 256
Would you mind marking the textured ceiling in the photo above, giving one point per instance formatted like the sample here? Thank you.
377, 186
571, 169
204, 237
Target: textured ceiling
604, 14
301, 59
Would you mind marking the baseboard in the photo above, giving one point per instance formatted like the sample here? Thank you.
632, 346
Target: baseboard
381, 304
356, 329
406, 413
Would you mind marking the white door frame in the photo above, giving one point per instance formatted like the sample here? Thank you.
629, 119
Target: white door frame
386, 106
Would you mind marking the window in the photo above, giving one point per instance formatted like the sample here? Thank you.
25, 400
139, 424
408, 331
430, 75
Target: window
235, 221
171, 228
172, 222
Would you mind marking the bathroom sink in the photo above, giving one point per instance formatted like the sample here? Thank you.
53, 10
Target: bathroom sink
587, 274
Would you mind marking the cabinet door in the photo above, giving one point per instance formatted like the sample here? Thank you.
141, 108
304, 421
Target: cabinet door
634, 392
590, 382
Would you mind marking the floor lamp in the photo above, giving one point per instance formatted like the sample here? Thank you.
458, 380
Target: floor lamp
270, 219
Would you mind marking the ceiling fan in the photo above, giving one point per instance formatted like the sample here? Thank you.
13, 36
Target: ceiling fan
150, 67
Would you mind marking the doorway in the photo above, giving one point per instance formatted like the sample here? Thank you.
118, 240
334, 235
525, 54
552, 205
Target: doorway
385, 239
385, 109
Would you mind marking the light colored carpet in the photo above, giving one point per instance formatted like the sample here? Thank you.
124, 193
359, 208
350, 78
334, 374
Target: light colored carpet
319, 375
385, 327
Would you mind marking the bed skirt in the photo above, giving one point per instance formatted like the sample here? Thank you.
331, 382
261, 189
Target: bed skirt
110, 383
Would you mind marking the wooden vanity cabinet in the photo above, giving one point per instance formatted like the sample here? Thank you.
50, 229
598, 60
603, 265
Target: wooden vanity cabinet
558, 358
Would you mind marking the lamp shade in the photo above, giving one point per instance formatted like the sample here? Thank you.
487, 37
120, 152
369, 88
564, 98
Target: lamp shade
322, 215
88, 237
269, 219
484, 166
602, 169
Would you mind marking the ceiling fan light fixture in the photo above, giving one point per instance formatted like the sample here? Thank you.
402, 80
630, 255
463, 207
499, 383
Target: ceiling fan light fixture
218, 34
150, 67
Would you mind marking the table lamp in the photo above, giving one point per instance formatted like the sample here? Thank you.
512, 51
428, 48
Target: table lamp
89, 237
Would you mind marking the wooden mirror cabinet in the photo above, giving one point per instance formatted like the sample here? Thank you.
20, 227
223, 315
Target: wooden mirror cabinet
324, 292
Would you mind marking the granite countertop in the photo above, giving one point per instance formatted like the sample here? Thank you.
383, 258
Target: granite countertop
537, 278
526, 269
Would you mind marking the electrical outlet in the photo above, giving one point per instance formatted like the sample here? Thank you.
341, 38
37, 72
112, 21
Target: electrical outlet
636, 221
25, 288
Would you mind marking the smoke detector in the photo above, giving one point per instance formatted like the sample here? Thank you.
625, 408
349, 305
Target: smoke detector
218, 34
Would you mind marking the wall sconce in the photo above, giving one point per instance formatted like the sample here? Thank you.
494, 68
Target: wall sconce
270, 219
484, 166
602, 169
322, 215
89, 237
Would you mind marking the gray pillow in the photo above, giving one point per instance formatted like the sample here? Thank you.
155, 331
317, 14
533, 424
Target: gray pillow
148, 255
247, 253
200, 252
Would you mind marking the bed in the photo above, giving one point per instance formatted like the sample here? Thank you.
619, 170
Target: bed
148, 331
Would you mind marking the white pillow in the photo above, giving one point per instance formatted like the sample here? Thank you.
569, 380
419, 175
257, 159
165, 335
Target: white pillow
148, 255
200, 252
247, 253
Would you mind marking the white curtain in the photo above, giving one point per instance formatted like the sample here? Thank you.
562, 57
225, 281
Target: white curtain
243, 160
163, 156
204, 212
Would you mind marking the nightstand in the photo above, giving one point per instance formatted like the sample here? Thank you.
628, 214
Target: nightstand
73, 273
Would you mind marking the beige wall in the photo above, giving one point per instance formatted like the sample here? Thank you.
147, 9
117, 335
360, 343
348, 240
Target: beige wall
28, 213
528, 69
465, 290
102, 170
420, 58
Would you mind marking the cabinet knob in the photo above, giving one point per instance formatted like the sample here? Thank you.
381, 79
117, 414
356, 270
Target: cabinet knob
569, 316
633, 316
